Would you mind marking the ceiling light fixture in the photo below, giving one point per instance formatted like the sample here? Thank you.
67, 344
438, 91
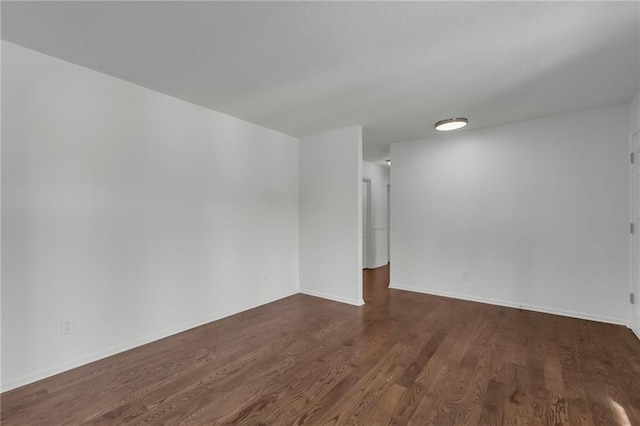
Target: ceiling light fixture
388, 161
451, 124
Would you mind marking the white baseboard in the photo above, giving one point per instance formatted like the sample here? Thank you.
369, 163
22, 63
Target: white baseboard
322, 295
378, 265
509, 304
133, 344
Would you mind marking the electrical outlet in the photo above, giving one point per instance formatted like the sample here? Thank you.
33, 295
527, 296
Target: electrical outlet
66, 325
465, 276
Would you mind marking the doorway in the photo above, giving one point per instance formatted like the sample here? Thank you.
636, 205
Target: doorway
388, 223
366, 221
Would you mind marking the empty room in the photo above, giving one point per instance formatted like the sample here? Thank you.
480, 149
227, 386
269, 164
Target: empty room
320, 213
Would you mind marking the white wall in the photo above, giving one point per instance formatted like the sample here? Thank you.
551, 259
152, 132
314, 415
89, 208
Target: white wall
1, 377
379, 176
134, 213
536, 212
634, 114
331, 215
634, 126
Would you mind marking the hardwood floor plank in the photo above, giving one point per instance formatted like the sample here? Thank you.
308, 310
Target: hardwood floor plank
383, 410
492, 406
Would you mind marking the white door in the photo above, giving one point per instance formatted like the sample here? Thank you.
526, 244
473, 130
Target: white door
635, 184
365, 223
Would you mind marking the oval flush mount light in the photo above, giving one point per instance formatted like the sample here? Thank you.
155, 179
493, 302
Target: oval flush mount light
451, 124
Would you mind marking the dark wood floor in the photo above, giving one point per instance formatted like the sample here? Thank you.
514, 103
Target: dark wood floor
403, 358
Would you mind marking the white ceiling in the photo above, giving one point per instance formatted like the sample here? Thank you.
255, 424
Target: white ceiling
393, 67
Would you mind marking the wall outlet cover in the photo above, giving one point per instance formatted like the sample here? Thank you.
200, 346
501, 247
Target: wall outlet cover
66, 325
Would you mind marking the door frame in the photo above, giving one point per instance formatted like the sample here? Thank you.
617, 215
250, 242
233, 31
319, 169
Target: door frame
388, 223
635, 249
367, 229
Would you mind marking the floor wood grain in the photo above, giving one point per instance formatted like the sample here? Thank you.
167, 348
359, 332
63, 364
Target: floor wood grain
403, 358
